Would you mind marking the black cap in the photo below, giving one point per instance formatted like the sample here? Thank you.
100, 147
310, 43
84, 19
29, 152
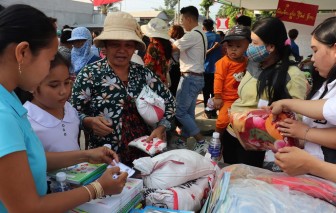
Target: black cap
238, 32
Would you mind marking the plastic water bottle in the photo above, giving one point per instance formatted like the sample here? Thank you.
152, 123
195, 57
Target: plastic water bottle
215, 147
60, 185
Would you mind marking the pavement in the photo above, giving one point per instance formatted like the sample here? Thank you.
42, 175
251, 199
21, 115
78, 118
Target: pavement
206, 125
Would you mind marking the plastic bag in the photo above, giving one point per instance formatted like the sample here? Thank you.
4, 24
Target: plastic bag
310, 185
173, 168
210, 105
152, 147
150, 105
255, 196
256, 130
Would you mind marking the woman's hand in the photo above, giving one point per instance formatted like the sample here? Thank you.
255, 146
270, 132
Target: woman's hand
113, 186
102, 155
292, 128
218, 103
99, 125
294, 161
159, 132
276, 107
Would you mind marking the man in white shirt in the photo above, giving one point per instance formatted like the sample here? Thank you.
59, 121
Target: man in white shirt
192, 47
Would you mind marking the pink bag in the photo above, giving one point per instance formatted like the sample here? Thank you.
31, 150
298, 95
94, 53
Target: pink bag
256, 130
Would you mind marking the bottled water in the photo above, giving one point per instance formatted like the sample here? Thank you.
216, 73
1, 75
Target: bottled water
215, 147
60, 185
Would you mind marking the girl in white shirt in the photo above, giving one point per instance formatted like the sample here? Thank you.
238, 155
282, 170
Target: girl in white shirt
324, 58
52, 117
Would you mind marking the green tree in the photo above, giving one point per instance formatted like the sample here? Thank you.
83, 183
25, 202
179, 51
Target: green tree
265, 14
231, 12
170, 12
170, 4
104, 8
205, 6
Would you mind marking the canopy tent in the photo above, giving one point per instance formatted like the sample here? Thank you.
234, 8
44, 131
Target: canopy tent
273, 4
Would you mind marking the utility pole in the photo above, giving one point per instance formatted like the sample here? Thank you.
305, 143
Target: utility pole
178, 12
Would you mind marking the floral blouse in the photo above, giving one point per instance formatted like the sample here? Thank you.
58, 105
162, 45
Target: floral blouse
155, 59
98, 91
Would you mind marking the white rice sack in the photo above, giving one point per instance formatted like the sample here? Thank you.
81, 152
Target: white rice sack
189, 196
150, 105
173, 168
152, 147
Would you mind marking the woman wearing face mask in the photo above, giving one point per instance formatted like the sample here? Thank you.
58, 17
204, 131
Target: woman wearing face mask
270, 76
81, 53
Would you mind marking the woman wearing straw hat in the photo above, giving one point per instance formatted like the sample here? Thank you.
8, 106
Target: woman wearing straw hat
159, 50
105, 91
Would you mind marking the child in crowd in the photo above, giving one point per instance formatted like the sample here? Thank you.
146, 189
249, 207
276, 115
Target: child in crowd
229, 71
52, 118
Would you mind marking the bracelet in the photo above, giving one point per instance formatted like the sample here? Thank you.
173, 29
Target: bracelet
306, 132
98, 189
87, 189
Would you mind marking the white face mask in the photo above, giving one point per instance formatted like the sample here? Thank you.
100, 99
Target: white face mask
257, 53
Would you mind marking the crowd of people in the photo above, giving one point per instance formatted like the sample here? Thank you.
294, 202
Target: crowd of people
89, 81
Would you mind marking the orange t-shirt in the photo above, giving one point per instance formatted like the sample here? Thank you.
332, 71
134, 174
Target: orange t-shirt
228, 76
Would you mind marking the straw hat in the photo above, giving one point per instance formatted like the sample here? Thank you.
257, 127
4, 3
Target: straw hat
156, 28
120, 26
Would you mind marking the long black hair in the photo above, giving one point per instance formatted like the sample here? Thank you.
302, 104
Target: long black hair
326, 34
21, 22
167, 46
65, 34
273, 79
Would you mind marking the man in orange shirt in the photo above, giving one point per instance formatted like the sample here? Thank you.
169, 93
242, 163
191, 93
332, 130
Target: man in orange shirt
229, 71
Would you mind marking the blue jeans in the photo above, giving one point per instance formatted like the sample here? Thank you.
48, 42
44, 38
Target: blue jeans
186, 96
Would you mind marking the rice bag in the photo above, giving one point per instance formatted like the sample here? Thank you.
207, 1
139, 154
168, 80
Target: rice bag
150, 106
173, 168
152, 147
187, 196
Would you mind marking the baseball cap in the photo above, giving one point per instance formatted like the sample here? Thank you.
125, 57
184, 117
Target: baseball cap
238, 32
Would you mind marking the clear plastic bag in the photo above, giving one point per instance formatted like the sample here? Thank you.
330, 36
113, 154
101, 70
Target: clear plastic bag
307, 184
256, 196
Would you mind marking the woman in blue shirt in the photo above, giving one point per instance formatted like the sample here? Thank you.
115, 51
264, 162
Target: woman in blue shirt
28, 44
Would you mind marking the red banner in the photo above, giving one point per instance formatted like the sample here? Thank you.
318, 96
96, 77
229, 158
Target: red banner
297, 12
100, 2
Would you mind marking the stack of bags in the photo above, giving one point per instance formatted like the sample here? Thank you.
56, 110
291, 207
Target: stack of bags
177, 179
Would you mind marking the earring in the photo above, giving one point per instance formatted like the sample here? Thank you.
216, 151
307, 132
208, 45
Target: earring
20, 71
